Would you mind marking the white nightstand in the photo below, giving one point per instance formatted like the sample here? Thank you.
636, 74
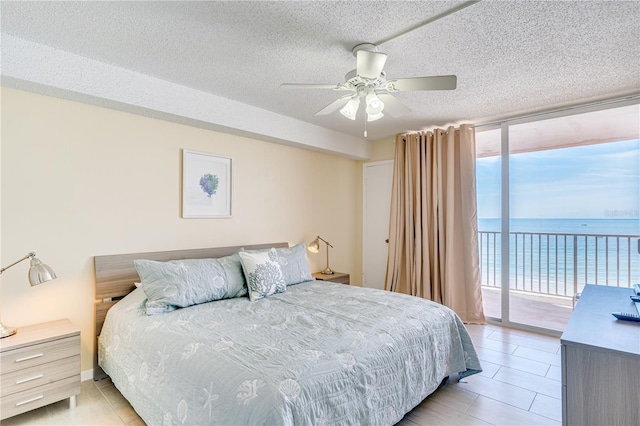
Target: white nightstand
39, 365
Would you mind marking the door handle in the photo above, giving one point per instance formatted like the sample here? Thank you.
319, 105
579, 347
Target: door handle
386, 241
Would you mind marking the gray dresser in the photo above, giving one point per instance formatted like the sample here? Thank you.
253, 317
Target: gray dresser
601, 361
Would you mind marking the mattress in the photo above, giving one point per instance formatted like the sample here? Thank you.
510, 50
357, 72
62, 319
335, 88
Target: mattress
319, 353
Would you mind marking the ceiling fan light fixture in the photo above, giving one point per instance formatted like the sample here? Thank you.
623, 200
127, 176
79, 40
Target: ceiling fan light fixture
374, 104
368, 84
351, 108
374, 117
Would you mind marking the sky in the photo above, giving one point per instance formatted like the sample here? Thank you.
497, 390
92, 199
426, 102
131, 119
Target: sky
591, 181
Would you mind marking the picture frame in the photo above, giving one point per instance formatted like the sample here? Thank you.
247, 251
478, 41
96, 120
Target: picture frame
206, 185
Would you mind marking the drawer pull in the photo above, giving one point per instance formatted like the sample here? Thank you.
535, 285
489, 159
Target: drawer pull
29, 400
28, 379
27, 358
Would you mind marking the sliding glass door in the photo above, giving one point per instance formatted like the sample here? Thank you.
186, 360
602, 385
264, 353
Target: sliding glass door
561, 196
488, 184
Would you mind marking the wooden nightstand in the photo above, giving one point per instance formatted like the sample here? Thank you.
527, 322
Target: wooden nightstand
39, 365
337, 277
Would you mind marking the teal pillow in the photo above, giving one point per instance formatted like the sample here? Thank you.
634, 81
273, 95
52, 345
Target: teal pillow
293, 263
263, 273
182, 283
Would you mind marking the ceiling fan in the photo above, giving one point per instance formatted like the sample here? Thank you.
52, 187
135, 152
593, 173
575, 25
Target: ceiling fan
368, 82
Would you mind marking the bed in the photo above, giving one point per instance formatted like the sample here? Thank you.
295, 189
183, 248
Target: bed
317, 353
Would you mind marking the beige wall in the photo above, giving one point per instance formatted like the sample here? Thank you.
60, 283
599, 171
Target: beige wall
79, 181
383, 149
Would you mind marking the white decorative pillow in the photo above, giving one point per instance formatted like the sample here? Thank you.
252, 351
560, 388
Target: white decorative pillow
263, 274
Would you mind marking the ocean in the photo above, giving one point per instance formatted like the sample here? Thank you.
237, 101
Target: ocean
567, 226
560, 256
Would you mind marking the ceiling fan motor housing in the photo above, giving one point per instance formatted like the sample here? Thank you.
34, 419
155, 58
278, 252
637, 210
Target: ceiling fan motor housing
353, 80
370, 47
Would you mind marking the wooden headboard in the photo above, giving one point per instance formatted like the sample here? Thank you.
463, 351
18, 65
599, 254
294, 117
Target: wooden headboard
115, 277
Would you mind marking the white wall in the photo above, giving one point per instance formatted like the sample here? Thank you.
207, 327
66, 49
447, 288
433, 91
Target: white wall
80, 180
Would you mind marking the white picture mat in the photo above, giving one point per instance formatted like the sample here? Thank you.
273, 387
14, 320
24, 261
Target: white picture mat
199, 199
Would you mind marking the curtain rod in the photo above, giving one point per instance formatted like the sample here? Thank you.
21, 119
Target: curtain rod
571, 108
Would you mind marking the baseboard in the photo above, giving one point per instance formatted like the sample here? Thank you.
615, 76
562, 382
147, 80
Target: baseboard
86, 375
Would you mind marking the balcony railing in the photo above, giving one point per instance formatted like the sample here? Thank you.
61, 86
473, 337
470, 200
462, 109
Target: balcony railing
560, 264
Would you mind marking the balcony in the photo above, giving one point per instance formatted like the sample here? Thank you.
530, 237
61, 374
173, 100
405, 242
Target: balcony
546, 270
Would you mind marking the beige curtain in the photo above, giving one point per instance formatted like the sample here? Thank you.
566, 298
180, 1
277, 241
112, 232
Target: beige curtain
433, 230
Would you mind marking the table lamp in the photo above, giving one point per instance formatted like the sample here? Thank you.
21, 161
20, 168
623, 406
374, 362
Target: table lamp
38, 274
314, 247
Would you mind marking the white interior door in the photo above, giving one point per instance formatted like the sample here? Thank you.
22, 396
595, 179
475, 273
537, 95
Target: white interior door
377, 178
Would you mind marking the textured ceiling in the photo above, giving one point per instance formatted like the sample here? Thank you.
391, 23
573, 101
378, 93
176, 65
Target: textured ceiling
510, 58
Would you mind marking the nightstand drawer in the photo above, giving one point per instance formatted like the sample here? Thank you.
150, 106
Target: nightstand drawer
343, 279
38, 375
336, 277
39, 354
31, 399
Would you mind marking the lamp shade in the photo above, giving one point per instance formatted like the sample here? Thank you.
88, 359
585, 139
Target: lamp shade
374, 104
374, 117
40, 272
314, 246
351, 108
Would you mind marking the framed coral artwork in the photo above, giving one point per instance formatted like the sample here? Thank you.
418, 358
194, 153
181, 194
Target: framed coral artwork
206, 185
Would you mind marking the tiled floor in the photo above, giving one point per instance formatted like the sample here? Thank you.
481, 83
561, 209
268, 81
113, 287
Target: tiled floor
520, 385
99, 403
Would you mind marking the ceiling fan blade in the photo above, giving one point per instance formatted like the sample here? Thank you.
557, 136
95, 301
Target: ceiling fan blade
312, 86
334, 105
392, 105
370, 64
436, 82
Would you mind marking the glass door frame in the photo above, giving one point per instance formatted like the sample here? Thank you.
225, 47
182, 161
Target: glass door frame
505, 220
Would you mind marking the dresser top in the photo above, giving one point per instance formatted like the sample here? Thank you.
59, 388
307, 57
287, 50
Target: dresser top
592, 324
39, 333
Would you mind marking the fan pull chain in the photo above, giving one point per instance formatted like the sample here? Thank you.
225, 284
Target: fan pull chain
365, 124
